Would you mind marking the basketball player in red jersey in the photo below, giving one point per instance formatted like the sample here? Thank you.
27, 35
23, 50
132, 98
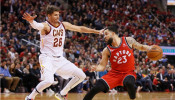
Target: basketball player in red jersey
120, 53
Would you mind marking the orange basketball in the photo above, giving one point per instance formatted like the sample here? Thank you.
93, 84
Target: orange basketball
155, 53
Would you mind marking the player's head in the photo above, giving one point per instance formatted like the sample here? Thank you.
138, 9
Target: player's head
109, 34
52, 13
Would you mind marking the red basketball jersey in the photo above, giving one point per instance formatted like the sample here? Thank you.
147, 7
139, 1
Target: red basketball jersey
121, 57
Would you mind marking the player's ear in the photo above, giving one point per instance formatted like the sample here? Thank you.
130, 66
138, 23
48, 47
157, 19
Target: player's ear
48, 15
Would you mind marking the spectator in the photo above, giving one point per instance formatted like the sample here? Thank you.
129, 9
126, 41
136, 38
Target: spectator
35, 72
170, 79
140, 80
19, 71
12, 54
12, 82
152, 76
160, 78
3, 84
146, 70
26, 70
12, 69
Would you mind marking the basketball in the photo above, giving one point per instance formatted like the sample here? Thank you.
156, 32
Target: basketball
155, 53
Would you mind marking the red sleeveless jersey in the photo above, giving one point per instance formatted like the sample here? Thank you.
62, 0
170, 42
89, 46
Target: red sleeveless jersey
121, 57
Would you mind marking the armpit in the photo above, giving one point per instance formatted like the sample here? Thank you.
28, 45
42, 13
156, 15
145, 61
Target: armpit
130, 41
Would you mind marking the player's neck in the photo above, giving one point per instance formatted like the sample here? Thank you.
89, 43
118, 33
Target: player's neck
53, 22
116, 41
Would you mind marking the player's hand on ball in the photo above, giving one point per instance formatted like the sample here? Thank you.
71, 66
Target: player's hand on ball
155, 53
150, 47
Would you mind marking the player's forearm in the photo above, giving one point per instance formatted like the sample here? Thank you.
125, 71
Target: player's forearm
145, 48
36, 25
100, 68
88, 30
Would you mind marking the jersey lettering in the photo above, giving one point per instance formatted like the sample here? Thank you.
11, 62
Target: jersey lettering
58, 32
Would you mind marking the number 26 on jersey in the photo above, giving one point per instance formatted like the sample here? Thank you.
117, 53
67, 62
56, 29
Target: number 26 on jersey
57, 42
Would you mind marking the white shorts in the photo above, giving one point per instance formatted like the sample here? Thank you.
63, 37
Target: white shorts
51, 65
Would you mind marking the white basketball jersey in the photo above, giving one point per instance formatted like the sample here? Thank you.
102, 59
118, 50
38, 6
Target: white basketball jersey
53, 42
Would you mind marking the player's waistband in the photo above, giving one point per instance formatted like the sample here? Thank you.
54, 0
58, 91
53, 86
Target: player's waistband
122, 72
51, 55
57, 56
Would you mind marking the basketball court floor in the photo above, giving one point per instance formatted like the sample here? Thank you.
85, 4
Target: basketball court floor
100, 96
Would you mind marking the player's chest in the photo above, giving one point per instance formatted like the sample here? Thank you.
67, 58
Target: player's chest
57, 32
120, 56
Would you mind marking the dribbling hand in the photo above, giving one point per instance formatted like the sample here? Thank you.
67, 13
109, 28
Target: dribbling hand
28, 17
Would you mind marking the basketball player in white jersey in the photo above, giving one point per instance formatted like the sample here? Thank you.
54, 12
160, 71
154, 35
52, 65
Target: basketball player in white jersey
52, 36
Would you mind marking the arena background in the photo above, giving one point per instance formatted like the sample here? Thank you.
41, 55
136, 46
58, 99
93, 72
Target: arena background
148, 21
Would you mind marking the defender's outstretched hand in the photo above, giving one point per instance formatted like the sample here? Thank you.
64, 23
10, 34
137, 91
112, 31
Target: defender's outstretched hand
28, 17
102, 31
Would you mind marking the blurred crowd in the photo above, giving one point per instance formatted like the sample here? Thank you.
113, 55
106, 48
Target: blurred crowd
136, 18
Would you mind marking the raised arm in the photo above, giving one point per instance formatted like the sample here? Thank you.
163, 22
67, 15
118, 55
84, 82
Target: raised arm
80, 29
134, 44
43, 27
103, 62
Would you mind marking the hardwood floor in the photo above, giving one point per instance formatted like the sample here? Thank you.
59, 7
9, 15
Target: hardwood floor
100, 96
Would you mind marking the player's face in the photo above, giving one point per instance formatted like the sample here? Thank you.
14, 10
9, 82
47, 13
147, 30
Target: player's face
108, 36
54, 16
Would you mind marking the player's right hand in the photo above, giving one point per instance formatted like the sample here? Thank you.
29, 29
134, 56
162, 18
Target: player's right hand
102, 31
93, 67
28, 17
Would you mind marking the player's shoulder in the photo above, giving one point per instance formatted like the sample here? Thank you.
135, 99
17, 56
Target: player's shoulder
130, 40
46, 28
66, 23
45, 23
106, 50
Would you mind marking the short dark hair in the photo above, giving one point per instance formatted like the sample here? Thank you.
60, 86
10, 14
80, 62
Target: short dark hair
51, 8
113, 28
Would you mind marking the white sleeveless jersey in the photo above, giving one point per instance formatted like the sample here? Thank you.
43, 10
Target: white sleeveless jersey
53, 42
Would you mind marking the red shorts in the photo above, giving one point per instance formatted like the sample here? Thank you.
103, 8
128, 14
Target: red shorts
114, 79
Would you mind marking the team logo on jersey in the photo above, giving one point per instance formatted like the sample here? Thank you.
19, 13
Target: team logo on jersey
58, 32
120, 56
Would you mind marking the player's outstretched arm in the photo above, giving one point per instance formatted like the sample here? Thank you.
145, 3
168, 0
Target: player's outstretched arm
33, 23
81, 29
134, 44
103, 62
